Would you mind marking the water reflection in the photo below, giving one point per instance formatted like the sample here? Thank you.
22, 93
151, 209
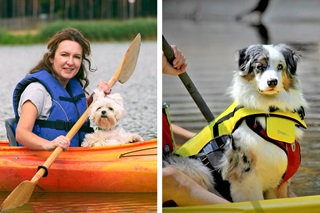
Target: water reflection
258, 9
88, 202
261, 30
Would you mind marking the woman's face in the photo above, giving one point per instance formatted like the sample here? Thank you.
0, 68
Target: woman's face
67, 61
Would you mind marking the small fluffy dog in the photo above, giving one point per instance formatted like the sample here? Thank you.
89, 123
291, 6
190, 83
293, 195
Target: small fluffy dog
254, 167
105, 112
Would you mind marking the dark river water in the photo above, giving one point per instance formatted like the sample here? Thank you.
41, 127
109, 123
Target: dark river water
139, 94
209, 36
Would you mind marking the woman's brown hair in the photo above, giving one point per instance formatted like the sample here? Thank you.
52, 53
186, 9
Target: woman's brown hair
71, 34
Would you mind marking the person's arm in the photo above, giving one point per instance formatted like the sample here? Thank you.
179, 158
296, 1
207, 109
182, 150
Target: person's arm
26, 137
284, 190
181, 135
184, 191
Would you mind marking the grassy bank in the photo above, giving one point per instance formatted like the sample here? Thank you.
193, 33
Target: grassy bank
104, 30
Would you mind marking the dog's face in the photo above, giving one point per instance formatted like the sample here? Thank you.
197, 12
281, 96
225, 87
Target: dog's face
272, 67
266, 77
107, 111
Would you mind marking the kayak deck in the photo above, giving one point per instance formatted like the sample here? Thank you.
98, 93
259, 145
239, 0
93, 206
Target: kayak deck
305, 204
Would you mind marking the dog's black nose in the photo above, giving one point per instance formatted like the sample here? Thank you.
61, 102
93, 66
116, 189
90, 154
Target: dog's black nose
103, 112
272, 82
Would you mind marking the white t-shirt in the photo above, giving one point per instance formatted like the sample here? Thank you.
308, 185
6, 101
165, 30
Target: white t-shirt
39, 96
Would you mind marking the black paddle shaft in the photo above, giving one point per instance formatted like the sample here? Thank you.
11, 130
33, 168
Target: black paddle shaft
184, 77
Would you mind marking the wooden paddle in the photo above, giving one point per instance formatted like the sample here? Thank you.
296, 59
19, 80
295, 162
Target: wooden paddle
22, 193
186, 80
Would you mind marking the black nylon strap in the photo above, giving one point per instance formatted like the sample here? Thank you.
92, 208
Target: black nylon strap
72, 99
227, 117
210, 156
63, 125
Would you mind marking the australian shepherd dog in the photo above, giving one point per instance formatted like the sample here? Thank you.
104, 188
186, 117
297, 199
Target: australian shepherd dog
254, 167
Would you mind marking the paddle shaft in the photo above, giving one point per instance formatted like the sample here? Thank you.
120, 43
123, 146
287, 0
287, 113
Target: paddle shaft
58, 149
184, 77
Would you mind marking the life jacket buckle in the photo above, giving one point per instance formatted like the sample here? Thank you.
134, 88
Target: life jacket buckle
293, 147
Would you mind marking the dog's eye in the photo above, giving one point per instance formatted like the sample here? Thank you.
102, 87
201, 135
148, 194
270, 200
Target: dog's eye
110, 108
280, 66
98, 108
260, 67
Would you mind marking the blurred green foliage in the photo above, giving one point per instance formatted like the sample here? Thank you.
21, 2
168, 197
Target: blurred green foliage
102, 30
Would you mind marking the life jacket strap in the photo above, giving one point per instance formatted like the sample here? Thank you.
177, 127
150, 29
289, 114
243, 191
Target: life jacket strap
72, 99
292, 150
63, 125
210, 156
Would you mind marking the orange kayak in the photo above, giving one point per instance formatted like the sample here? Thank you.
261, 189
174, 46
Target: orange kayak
119, 168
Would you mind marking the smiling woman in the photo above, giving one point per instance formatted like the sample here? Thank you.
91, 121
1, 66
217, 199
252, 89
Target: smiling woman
54, 90
66, 61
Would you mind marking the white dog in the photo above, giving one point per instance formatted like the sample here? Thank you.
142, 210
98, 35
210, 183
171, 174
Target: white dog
255, 151
105, 112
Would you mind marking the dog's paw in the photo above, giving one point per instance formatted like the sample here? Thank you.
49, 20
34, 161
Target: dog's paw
135, 138
85, 144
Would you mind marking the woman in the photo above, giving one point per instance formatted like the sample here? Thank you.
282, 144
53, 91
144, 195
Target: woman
52, 97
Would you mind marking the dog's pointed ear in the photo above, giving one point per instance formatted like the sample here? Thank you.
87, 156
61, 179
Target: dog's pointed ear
98, 94
292, 57
243, 61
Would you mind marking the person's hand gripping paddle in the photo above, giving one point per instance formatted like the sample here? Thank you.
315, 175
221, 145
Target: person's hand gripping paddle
184, 77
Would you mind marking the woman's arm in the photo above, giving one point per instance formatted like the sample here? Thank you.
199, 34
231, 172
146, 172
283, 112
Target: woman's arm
26, 137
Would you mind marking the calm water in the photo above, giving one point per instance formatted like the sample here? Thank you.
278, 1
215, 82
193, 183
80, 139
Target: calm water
89, 202
139, 94
209, 36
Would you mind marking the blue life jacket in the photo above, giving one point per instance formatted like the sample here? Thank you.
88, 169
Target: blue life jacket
67, 107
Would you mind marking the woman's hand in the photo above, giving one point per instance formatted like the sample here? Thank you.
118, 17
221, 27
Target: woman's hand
104, 86
60, 141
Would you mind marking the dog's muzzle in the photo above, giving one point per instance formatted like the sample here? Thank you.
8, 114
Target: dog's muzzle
103, 114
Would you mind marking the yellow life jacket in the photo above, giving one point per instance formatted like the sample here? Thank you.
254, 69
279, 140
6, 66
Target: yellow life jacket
280, 126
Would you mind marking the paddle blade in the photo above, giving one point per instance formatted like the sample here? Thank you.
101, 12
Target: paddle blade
128, 63
19, 196
130, 60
